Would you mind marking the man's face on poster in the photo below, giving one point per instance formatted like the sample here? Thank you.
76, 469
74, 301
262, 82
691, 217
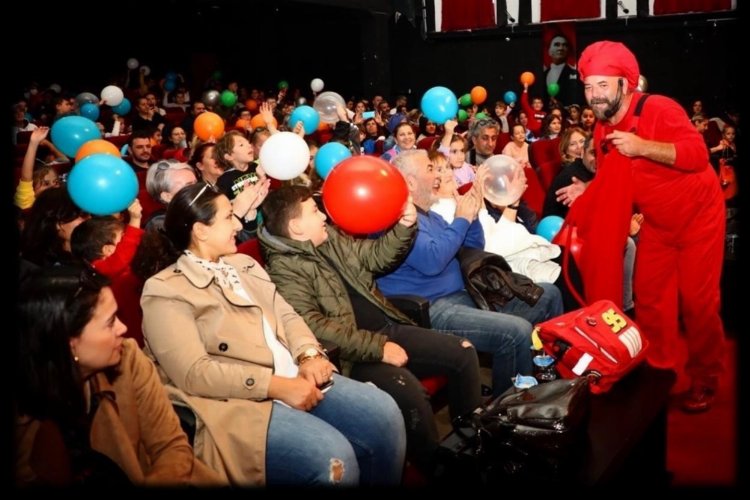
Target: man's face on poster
558, 49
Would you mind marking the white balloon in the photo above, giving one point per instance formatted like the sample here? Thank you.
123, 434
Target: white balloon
112, 94
55, 88
499, 186
132, 63
326, 103
317, 85
145, 70
284, 156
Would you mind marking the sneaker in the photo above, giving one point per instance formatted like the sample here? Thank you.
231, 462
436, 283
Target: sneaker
699, 399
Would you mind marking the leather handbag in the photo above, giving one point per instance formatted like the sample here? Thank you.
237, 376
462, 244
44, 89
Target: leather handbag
491, 282
534, 430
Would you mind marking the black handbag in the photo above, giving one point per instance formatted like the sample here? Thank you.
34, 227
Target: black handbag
491, 282
527, 433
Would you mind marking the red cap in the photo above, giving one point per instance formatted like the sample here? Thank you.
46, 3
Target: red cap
609, 59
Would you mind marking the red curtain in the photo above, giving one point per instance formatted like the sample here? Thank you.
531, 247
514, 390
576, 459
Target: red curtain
467, 14
570, 9
681, 6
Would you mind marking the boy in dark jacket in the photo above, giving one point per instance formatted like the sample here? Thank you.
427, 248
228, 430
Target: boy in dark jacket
327, 276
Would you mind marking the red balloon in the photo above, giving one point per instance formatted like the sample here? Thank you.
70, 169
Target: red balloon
364, 194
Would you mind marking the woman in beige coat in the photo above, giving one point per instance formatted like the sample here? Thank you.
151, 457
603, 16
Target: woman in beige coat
90, 407
229, 347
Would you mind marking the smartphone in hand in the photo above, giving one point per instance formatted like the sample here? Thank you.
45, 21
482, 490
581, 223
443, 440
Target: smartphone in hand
326, 386
368, 114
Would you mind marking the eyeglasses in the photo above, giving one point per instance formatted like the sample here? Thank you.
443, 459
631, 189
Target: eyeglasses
203, 189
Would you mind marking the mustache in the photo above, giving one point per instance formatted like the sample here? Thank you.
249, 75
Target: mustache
600, 101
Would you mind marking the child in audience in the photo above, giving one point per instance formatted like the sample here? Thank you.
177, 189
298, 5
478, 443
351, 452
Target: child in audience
106, 243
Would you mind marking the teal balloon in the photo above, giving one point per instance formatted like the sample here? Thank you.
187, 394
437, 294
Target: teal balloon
330, 155
69, 133
308, 116
510, 97
439, 104
465, 100
462, 115
553, 89
549, 227
90, 111
123, 108
170, 85
102, 184
228, 98
283, 84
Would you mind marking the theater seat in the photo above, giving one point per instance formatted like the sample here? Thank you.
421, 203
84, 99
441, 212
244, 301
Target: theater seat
534, 194
426, 142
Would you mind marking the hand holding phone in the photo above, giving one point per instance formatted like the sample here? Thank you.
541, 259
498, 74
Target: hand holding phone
326, 386
368, 114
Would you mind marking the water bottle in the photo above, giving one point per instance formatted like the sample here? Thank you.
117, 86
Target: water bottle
544, 365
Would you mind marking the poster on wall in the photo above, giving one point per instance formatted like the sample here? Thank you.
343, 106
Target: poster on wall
560, 77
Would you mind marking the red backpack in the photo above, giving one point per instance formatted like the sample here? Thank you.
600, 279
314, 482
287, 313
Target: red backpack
598, 340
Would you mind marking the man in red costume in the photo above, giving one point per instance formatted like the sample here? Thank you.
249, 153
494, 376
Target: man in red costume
651, 159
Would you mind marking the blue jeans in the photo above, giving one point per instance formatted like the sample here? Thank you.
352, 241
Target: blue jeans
506, 333
355, 435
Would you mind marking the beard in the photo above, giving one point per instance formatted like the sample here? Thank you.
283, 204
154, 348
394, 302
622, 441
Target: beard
612, 107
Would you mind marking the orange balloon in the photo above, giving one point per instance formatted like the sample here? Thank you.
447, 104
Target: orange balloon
258, 122
251, 104
478, 94
208, 126
323, 126
96, 146
527, 77
242, 123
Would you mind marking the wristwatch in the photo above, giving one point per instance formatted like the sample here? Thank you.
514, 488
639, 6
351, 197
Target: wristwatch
310, 353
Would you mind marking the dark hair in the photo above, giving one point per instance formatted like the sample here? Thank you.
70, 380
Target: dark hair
40, 242
161, 248
197, 157
281, 206
142, 133
91, 235
54, 306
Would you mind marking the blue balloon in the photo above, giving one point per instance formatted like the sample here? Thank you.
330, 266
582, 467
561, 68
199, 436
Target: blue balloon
171, 75
170, 85
102, 184
308, 116
549, 227
439, 104
123, 108
70, 132
90, 111
510, 97
330, 155
124, 149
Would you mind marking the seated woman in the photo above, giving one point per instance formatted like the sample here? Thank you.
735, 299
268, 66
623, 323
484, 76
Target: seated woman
91, 410
234, 351
176, 141
405, 140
